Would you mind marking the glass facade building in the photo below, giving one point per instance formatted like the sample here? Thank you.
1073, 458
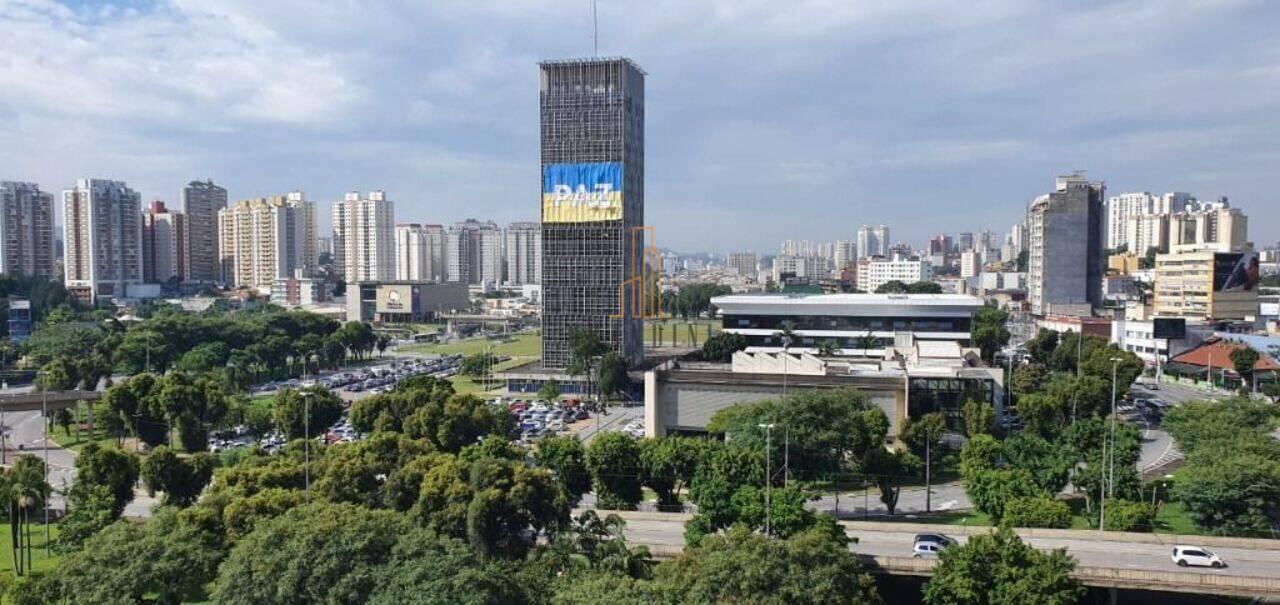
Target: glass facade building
592, 153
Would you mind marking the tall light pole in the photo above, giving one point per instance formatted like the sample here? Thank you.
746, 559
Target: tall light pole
306, 435
1111, 482
44, 417
768, 478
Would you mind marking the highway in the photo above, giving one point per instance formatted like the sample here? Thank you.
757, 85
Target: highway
1089, 548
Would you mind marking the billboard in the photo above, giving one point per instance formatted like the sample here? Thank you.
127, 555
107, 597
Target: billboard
397, 298
1169, 328
1235, 271
587, 192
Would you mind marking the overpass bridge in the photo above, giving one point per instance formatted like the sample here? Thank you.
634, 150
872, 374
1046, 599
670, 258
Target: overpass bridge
35, 401
1103, 560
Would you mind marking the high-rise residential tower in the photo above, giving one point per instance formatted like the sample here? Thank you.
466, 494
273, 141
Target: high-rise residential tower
473, 253
873, 241
102, 231
524, 253
26, 230
744, 263
201, 202
420, 252
363, 237
1065, 246
265, 239
165, 245
592, 125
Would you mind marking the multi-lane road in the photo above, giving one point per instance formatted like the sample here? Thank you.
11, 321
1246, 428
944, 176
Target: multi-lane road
1091, 549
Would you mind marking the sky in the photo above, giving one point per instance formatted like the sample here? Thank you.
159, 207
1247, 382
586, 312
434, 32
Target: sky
766, 120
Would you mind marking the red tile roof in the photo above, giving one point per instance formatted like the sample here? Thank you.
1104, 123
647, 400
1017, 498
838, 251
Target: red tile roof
1218, 352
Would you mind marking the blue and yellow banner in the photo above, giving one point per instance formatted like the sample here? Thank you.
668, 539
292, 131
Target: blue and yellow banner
578, 193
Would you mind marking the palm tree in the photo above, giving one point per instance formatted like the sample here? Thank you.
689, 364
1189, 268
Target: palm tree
828, 348
866, 342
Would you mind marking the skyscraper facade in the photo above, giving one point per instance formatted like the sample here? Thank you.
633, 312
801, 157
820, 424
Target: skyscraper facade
473, 253
1065, 246
201, 202
592, 134
102, 234
165, 247
524, 253
364, 237
26, 230
265, 239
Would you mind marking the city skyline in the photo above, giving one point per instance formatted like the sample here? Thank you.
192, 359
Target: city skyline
458, 135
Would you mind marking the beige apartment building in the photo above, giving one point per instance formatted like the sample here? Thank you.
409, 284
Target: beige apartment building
265, 239
1206, 283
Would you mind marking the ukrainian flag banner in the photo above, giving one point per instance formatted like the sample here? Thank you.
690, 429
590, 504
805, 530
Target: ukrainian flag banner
580, 193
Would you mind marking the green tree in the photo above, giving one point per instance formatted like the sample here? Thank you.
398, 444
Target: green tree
460, 421
1243, 361
668, 464
166, 559
979, 418
312, 409
180, 479
550, 391
1230, 494
612, 376
1037, 511
612, 460
1042, 346
107, 467
891, 470
476, 364
988, 331
1127, 515
1000, 569
565, 457
721, 346
744, 567
243, 513
892, 287
1028, 378
829, 430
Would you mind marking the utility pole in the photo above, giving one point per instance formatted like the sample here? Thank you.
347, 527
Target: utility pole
306, 434
44, 416
768, 478
928, 484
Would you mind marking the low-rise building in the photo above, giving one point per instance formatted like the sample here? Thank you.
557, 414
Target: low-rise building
857, 324
878, 271
404, 302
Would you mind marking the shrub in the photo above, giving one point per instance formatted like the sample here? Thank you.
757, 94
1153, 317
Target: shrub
1037, 511
1127, 515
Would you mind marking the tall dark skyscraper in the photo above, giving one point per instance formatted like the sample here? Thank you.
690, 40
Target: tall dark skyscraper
592, 114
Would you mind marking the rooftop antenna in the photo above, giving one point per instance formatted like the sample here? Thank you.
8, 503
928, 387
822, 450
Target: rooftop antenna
595, 31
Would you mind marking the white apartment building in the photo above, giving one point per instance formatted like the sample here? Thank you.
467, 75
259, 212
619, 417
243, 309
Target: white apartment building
970, 264
166, 248
845, 254
873, 272
102, 232
524, 253
265, 239
473, 253
26, 230
800, 267
1125, 206
872, 241
420, 252
363, 237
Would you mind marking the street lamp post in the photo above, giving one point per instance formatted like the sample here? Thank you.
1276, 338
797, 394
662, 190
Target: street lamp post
1110, 487
44, 417
306, 436
768, 478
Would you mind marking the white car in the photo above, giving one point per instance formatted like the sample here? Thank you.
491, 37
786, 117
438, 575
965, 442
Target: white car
1197, 556
926, 549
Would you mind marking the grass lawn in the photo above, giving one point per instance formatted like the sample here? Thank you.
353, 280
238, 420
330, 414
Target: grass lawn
1174, 519
527, 345
38, 559
77, 440
467, 384
675, 332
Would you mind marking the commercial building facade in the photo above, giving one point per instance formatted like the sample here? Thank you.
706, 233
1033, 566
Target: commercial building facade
858, 324
102, 235
404, 302
524, 253
1207, 284
26, 230
592, 152
165, 247
201, 203
1065, 243
363, 237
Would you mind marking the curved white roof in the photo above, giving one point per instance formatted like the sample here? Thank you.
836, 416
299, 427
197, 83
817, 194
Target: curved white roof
856, 305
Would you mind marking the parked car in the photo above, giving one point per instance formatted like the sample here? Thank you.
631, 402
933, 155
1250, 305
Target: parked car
1197, 556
